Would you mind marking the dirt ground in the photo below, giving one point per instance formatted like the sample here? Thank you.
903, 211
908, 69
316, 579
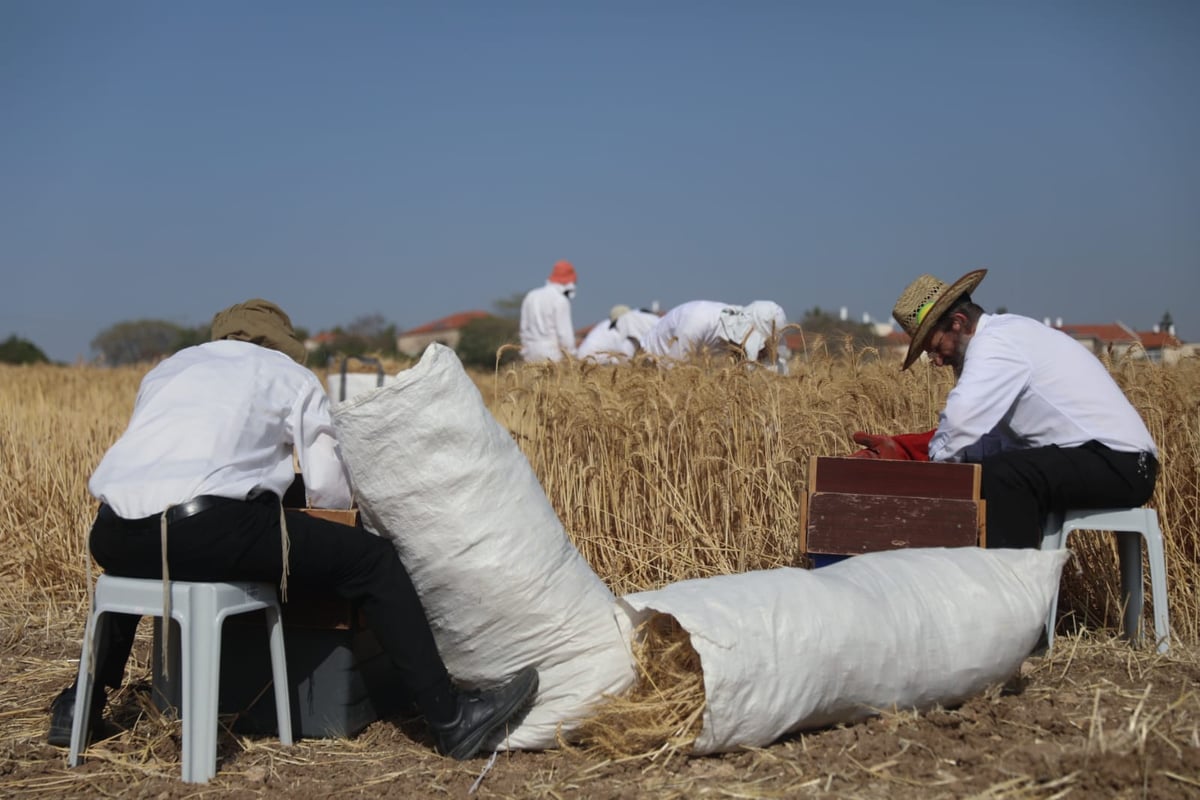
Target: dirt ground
1094, 719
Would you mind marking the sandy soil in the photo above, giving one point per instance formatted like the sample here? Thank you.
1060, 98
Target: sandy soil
1094, 719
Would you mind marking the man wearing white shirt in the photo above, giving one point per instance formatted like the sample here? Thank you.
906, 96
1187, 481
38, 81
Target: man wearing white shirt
703, 327
615, 339
201, 470
545, 330
1043, 416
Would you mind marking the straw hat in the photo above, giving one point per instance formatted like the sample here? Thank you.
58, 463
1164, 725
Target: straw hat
922, 304
259, 322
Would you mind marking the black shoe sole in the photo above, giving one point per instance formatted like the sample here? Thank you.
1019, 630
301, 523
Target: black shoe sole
469, 746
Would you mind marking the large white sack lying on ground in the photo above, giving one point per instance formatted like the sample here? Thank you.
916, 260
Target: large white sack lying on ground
791, 649
502, 584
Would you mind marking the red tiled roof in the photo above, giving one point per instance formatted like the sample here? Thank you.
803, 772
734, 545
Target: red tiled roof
1156, 340
450, 323
324, 337
1110, 332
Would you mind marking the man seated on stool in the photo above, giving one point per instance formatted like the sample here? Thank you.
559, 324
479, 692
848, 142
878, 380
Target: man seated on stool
1039, 412
202, 467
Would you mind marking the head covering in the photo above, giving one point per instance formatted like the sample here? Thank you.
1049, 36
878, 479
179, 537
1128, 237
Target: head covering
737, 327
923, 303
562, 273
617, 312
259, 322
768, 316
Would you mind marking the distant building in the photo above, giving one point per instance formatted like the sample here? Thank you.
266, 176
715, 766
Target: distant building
447, 331
1159, 346
322, 339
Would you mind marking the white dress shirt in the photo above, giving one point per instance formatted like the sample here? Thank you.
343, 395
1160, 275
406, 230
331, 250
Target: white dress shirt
222, 419
604, 344
609, 343
546, 331
635, 324
1025, 384
702, 325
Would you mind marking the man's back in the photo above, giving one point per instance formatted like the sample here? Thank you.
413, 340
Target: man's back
1039, 387
684, 329
545, 329
220, 418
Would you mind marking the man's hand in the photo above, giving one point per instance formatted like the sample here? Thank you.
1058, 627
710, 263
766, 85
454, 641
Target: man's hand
904, 447
877, 447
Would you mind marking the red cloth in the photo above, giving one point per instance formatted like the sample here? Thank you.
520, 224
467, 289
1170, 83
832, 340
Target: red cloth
902, 447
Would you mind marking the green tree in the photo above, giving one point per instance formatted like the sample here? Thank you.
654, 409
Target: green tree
15, 350
509, 307
374, 334
817, 321
189, 337
138, 341
481, 337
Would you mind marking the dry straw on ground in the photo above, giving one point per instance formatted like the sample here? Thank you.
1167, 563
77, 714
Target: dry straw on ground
658, 476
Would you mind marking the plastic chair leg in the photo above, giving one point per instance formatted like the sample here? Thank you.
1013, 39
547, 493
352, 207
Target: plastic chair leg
1052, 539
1129, 551
85, 686
1158, 584
283, 708
201, 679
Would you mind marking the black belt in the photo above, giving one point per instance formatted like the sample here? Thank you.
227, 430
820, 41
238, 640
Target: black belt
178, 513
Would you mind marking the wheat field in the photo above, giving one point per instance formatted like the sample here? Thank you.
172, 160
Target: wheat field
657, 476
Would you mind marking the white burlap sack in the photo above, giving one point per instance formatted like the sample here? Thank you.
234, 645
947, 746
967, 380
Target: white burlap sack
501, 583
790, 649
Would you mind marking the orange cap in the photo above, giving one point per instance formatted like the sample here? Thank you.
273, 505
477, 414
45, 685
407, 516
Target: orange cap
563, 272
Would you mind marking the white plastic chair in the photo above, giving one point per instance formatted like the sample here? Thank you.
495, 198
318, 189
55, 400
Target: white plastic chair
200, 610
1127, 524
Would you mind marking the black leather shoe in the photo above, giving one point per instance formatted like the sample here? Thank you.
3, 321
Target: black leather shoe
483, 713
62, 716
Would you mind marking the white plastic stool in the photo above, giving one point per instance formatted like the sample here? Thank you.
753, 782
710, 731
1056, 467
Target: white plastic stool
200, 609
1126, 523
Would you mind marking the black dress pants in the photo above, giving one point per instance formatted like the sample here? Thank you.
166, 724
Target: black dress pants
1022, 487
240, 541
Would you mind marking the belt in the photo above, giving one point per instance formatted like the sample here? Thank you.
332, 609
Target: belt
180, 512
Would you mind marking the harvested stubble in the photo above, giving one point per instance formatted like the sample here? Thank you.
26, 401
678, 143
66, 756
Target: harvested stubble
658, 475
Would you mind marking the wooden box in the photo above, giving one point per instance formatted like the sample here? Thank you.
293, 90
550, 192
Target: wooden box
859, 505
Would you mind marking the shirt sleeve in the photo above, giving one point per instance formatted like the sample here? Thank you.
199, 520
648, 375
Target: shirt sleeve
325, 476
994, 375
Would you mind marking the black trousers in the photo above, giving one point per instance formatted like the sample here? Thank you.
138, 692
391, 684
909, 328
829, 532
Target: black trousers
240, 541
1023, 487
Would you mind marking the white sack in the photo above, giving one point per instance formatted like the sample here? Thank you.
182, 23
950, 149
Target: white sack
790, 649
502, 585
356, 383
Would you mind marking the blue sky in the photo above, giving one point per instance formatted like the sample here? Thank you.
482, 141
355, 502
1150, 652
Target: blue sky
166, 159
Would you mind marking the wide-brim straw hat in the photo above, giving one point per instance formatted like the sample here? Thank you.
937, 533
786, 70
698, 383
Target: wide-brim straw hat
259, 322
922, 304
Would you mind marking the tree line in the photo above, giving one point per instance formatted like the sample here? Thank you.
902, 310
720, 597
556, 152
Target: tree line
146, 340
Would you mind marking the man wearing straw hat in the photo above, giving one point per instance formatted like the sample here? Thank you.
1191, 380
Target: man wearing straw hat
200, 472
1043, 416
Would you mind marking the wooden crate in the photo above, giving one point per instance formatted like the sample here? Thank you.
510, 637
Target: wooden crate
858, 505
